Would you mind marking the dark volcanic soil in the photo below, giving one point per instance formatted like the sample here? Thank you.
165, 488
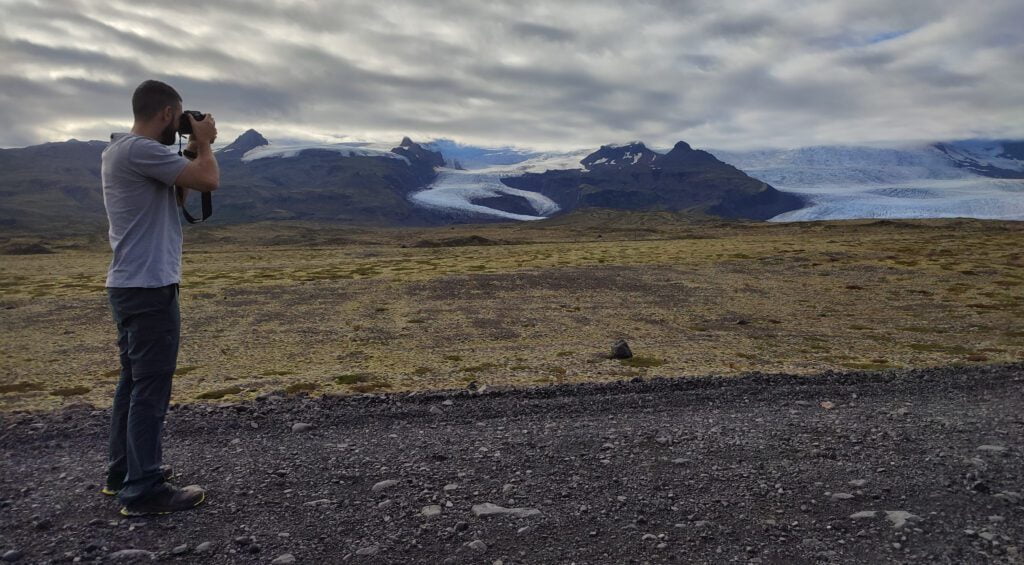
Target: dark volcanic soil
713, 470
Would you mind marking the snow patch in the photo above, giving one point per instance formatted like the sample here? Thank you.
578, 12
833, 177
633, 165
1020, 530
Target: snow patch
349, 149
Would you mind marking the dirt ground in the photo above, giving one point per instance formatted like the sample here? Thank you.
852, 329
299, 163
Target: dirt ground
920, 466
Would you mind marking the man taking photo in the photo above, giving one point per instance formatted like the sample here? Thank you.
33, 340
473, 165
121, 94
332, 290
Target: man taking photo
139, 172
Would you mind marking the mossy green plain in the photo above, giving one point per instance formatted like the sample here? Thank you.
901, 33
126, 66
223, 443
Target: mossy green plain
322, 309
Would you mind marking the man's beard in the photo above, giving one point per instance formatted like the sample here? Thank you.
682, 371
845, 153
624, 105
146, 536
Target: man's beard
170, 132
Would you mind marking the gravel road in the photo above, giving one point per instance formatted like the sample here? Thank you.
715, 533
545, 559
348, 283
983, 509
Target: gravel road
920, 466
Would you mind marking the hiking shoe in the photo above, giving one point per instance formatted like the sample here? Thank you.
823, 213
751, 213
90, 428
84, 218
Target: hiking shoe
114, 485
170, 499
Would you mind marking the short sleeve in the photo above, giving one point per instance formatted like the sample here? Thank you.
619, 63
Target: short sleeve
154, 160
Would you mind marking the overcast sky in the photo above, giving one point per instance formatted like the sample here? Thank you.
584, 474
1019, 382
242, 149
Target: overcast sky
548, 74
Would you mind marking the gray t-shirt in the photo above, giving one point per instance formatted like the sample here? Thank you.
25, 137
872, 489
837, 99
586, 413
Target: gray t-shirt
138, 175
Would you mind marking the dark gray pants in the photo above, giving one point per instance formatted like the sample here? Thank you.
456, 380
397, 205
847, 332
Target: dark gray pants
148, 334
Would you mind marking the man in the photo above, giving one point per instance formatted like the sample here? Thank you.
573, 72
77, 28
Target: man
139, 172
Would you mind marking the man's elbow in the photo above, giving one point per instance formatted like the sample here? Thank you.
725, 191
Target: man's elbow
209, 185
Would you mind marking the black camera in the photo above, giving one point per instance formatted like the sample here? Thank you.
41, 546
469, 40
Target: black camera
184, 125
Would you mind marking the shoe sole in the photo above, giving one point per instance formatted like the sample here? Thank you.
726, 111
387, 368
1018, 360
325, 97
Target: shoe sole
130, 514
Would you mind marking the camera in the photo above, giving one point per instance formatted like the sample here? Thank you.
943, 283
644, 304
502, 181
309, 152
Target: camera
185, 126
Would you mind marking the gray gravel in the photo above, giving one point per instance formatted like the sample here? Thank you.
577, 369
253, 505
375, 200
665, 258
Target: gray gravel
928, 464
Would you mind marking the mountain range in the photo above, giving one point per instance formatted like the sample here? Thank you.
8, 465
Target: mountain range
443, 181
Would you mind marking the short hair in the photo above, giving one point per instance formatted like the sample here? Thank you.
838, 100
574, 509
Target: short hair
152, 96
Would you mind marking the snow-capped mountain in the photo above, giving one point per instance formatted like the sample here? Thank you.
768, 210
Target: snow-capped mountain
618, 156
415, 184
348, 149
459, 155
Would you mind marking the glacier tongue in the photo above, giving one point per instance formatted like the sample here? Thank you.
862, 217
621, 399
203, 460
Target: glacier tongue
454, 191
977, 197
844, 182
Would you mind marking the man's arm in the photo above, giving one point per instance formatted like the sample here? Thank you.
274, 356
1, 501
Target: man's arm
190, 154
202, 173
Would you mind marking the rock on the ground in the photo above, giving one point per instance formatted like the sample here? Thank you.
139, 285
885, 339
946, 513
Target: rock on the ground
284, 559
130, 554
490, 509
431, 511
621, 350
477, 546
899, 518
12, 555
298, 427
384, 484
369, 550
205, 547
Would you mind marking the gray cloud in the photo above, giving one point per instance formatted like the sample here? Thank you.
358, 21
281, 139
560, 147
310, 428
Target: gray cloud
533, 73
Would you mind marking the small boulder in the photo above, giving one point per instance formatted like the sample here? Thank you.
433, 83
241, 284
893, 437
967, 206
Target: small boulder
370, 550
899, 518
621, 350
384, 484
489, 509
131, 554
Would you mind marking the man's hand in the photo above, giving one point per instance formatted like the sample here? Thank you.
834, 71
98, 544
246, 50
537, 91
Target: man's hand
203, 131
202, 173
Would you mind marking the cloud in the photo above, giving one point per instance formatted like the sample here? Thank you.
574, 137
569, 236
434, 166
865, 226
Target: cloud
532, 73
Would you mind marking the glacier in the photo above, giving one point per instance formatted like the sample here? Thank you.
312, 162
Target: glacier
850, 182
455, 190
978, 197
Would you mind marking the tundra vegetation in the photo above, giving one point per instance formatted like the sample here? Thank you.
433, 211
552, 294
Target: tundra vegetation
300, 308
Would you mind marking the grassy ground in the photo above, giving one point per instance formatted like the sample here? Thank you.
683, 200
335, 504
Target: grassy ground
338, 310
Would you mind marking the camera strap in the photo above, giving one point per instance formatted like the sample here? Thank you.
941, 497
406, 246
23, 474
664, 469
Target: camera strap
207, 198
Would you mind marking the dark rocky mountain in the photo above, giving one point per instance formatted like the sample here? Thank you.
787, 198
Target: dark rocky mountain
620, 156
633, 177
417, 154
249, 140
325, 183
58, 184
996, 159
52, 183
